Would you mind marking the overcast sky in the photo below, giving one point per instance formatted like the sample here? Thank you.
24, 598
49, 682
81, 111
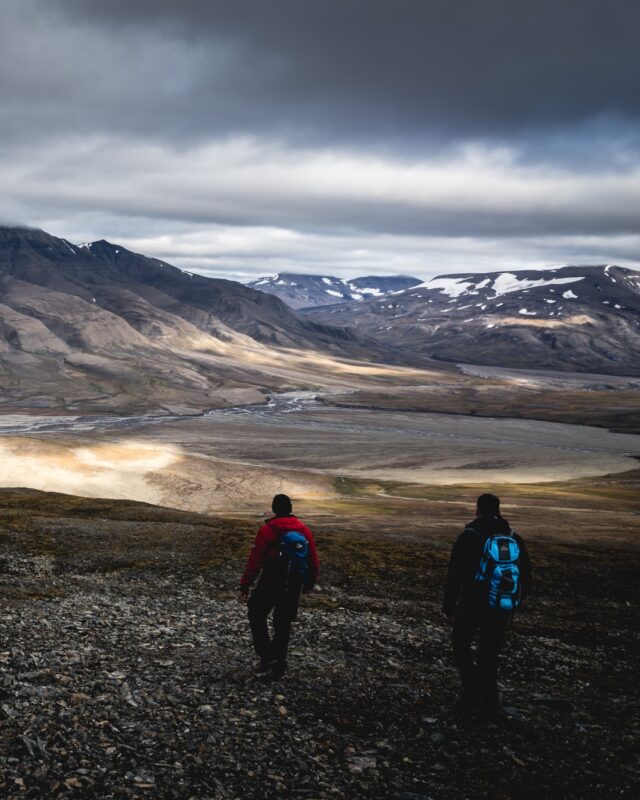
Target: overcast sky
344, 137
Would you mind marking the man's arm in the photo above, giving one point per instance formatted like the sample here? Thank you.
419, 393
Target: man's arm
314, 561
455, 576
256, 559
525, 568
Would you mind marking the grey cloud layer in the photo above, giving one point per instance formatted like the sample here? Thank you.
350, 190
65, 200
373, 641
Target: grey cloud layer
480, 193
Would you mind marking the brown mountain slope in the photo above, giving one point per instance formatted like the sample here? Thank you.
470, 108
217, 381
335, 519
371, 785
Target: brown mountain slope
96, 328
35, 257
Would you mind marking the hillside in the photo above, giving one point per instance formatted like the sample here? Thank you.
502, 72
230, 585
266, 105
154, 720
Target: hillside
98, 327
102, 273
126, 670
584, 318
304, 291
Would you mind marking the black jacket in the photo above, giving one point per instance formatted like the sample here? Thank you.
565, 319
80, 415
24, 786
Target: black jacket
461, 588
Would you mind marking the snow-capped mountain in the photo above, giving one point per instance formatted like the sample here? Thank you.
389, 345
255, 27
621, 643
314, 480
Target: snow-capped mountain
305, 291
575, 318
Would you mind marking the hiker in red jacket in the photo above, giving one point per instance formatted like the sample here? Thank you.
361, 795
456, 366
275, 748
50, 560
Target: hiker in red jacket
285, 556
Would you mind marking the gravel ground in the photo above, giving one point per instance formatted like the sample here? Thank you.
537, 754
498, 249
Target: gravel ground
125, 672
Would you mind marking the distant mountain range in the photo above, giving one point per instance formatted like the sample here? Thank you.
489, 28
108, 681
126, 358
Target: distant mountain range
584, 318
305, 291
96, 326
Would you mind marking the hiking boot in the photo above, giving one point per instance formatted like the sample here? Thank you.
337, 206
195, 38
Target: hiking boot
278, 669
263, 668
490, 711
467, 707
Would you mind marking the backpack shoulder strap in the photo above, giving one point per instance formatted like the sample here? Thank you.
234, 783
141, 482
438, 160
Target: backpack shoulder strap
471, 529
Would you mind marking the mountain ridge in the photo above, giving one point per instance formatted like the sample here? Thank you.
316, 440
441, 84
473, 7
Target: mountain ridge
299, 290
584, 318
99, 327
37, 257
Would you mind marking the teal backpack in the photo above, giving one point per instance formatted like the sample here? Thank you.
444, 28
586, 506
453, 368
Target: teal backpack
500, 571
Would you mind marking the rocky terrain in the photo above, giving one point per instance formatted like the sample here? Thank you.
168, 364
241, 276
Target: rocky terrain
125, 661
302, 291
582, 318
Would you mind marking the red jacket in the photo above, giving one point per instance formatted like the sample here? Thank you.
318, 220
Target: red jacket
266, 548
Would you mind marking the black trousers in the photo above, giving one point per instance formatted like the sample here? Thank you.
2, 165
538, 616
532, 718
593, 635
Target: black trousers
267, 597
479, 677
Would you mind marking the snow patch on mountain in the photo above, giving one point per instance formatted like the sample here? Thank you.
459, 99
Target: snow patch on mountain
304, 291
453, 287
370, 290
508, 282
266, 279
505, 283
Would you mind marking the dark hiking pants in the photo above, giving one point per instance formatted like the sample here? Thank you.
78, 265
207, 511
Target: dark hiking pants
284, 604
479, 677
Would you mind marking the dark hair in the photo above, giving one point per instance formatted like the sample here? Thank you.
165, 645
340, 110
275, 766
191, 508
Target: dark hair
488, 505
281, 505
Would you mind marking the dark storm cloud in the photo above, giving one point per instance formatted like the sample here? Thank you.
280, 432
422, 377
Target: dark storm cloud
353, 70
422, 136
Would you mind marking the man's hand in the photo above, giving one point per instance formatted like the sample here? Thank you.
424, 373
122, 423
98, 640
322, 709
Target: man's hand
449, 618
243, 597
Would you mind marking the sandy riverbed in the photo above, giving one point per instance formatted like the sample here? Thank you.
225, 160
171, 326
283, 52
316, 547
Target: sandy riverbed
233, 460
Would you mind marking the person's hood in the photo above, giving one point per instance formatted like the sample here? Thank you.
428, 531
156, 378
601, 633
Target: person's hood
490, 526
284, 524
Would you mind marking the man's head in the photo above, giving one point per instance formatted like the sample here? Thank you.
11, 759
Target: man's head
281, 505
488, 506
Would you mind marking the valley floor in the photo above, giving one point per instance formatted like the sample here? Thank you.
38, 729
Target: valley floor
233, 458
124, 655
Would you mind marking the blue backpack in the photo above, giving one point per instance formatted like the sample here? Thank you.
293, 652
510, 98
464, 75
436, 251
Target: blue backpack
294, 558
499, 569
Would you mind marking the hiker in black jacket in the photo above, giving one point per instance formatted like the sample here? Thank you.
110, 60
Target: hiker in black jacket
466, 605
